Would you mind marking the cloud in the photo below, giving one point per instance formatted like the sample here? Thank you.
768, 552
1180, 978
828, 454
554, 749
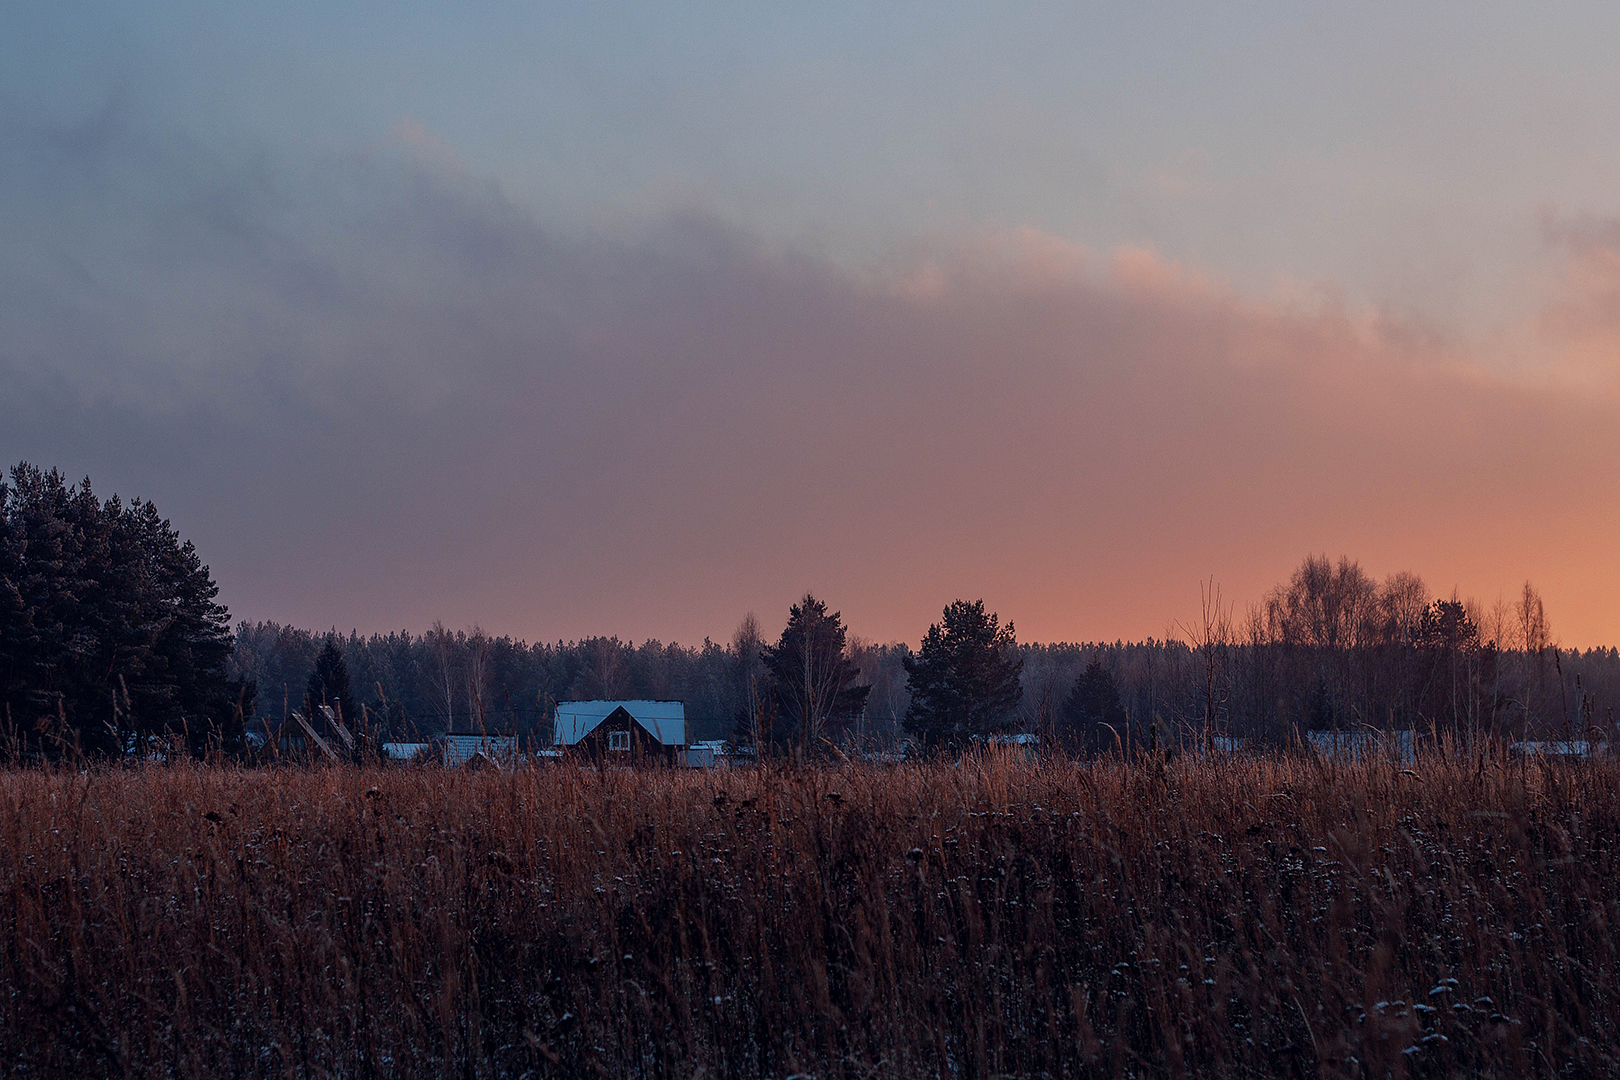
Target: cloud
426, 147
1581, 325
377, 393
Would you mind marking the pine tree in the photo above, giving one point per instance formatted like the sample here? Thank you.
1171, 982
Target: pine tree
1092, 717
964, 681
329, 685
109, 633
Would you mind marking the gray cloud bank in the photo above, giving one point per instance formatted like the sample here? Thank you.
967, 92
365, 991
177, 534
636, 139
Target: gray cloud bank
376, 393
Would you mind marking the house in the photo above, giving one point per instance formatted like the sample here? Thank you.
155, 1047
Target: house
699, 757
1029, 743
406, 751
709, 754
624, 732
1199, 746
478, 748
1359, 743
1566, 748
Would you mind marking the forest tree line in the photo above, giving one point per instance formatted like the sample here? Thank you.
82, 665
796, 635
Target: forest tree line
1329, 649
112, 643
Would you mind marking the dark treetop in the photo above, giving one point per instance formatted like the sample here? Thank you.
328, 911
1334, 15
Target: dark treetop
964, 681
811, 693
109, 634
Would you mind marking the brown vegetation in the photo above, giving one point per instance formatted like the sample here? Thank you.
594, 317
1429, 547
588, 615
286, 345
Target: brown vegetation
1233, 917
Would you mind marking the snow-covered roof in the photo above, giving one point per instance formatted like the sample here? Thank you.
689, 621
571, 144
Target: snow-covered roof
460, 749
1561, 748
1364, 742
663, 720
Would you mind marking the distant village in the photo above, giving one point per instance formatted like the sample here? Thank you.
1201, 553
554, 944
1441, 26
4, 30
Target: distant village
627, 733
641, 734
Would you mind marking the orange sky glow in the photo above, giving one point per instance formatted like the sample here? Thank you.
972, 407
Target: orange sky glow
630, 321
1079, 438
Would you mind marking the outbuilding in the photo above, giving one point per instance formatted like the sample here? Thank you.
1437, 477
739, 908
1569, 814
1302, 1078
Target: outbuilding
478, 748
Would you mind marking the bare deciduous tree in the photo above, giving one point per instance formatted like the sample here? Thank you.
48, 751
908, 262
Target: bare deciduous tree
1212, 641
444, 656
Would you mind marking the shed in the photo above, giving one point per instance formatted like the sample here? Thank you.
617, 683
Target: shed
406, 751
698, 757
1576, 748
464, 748
1359, 743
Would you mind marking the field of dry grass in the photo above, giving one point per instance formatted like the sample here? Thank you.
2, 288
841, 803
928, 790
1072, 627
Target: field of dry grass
1000, 917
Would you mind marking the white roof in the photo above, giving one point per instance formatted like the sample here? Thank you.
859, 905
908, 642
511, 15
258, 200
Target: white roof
1360, 742
663, 720
460, 749
1575, 747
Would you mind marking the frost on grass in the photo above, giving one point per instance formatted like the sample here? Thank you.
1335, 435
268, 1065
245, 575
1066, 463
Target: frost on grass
999, 918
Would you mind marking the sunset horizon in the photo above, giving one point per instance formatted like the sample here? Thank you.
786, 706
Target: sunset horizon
827, 540
561, 324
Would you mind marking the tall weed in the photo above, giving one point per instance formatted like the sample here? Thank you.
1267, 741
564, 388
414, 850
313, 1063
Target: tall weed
997, 917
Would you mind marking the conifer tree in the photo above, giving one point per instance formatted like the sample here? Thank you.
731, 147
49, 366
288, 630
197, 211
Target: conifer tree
964, 681
109, 630
1092, 717
329, 684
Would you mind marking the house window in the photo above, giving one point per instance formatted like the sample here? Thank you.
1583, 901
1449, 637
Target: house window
618, 740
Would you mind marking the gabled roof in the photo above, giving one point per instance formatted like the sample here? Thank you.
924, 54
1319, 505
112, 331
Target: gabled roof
665, 721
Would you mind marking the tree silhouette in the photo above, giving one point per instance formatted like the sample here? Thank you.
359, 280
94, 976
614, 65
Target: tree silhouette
329, 685
810, 681
1092, 718
109, 632
1461, 668
964, 681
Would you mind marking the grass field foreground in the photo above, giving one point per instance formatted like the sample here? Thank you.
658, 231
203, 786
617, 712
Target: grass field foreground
1236, 917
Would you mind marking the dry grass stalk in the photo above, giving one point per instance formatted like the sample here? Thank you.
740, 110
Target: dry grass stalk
1246, 917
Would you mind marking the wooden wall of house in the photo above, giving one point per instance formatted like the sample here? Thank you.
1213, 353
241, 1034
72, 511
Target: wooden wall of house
644, 749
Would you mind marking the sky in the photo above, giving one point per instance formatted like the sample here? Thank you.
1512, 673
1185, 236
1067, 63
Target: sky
566, 320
